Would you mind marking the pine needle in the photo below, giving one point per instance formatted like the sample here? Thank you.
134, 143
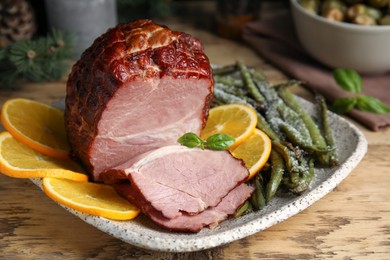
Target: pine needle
38, 60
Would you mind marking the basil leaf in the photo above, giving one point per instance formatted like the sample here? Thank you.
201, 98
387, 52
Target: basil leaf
343, 105
371, 105
191, 140
348, 79
219, 141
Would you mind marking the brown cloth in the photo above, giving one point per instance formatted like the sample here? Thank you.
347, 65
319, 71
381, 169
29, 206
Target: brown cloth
275, 40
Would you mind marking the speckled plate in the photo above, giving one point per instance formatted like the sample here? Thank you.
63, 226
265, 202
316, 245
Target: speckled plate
141, 232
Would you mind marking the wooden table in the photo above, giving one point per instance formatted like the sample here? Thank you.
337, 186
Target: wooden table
351, 222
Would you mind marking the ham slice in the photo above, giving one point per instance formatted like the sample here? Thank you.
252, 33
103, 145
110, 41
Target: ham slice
177, 180
190, 223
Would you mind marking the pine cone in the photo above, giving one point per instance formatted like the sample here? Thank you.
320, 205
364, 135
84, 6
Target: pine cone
17, 21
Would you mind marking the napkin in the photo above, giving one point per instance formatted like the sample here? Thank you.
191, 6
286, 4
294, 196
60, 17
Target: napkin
275, 40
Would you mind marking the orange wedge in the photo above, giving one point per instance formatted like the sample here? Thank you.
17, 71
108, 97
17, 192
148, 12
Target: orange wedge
38, 125
236, 120
254, 151
20, 161
91, 198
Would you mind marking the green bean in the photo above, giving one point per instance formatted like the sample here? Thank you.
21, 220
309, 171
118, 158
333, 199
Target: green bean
231, 89
290, 160
277, 171
229, 80
228, 69
228, 98
258, 199
257, 75
274, 119
295, 138
293, 122
290, 100
316, 136
328, 133
279, 113
252, 89
266, 91
299, 184
265, 127
306, 179
287, 84
244, 209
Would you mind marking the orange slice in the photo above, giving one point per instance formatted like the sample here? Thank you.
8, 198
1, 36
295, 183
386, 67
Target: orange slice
254, 151
91, 198
38, 125
20, 161
236, 120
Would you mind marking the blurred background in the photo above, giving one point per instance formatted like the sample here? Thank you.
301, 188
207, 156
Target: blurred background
87, 19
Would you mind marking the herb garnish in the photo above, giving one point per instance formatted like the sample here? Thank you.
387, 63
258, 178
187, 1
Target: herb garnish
350, 81
214, 142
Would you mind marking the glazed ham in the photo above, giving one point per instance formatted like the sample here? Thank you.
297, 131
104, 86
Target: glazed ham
140, 86
176, 180
133, 93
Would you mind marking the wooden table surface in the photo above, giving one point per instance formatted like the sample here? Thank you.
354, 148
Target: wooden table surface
351, 222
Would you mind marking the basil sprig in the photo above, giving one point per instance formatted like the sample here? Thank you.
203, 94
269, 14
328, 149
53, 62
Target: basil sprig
214, 142
350, 81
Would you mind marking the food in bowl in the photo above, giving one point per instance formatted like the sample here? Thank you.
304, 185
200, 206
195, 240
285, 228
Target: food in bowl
368, 12
341, 44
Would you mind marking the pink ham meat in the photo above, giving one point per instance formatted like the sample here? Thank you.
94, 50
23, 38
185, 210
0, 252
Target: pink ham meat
140, 86
191, 223
176, 180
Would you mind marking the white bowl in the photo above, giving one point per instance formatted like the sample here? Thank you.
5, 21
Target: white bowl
343, 45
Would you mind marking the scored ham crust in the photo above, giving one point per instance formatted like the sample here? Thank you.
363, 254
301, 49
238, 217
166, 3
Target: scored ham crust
140, 86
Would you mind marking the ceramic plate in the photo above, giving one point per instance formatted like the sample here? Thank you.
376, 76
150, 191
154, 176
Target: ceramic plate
141, 232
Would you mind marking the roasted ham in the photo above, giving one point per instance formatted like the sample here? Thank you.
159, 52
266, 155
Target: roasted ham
140, 86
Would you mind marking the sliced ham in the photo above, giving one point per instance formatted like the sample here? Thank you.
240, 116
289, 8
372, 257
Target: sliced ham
192, 223
177, 180
140, 86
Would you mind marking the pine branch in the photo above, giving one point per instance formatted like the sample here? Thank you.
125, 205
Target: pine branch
37, 60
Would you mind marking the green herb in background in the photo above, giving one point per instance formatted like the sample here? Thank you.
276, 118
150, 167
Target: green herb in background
214, 142
350, 81
41, 59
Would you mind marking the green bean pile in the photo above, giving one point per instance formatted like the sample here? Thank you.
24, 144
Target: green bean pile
361, 12
298, 142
